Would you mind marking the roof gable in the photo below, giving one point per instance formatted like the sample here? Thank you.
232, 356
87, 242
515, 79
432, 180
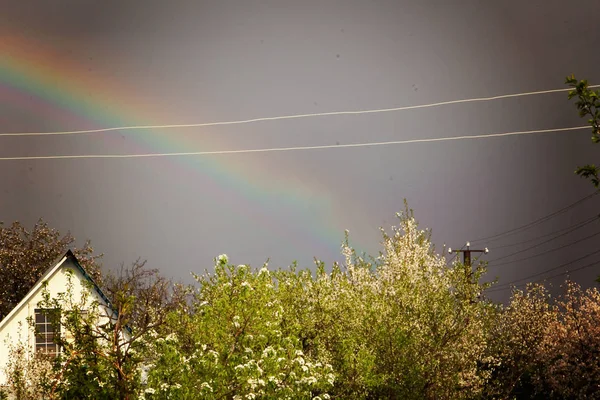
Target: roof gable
69, 256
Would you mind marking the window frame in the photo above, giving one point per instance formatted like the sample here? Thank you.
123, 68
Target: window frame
47, 330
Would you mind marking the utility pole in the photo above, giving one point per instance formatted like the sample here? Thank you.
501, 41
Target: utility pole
467, 261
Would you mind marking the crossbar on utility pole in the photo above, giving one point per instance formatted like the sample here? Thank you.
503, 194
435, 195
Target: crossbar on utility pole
467, 253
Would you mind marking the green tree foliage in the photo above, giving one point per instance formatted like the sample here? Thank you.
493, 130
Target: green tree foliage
588, 104
404, 325
26, 254
114, 349
230, 344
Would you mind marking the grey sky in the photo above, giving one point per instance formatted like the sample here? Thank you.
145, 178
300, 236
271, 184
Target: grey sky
200, 61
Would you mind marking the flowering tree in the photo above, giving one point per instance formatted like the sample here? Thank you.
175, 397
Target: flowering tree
325, 313
571, 349
29, 377
230, 344
540, 348
514, 355
433, 315
405, 325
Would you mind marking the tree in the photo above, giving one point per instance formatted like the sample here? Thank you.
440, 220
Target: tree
541, 348
588, 104
513, 360
425, 321
405, 325
26, 254
571, 353
230, 344
103, 357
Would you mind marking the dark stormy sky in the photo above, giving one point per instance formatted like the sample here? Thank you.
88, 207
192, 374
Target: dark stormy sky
79, 64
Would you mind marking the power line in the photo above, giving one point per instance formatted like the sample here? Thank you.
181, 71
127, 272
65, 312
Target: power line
570, 271
284, 117
500, 287
546, 252
298, 148
546, 241
537, 221
546, 235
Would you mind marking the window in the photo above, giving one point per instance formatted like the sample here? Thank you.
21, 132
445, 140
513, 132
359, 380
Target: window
46, 331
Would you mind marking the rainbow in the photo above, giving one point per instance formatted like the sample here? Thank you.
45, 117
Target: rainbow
39, 81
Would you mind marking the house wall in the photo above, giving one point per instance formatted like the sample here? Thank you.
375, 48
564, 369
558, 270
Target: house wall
17, 329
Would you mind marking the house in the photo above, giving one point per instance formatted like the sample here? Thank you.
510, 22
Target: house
15, 328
